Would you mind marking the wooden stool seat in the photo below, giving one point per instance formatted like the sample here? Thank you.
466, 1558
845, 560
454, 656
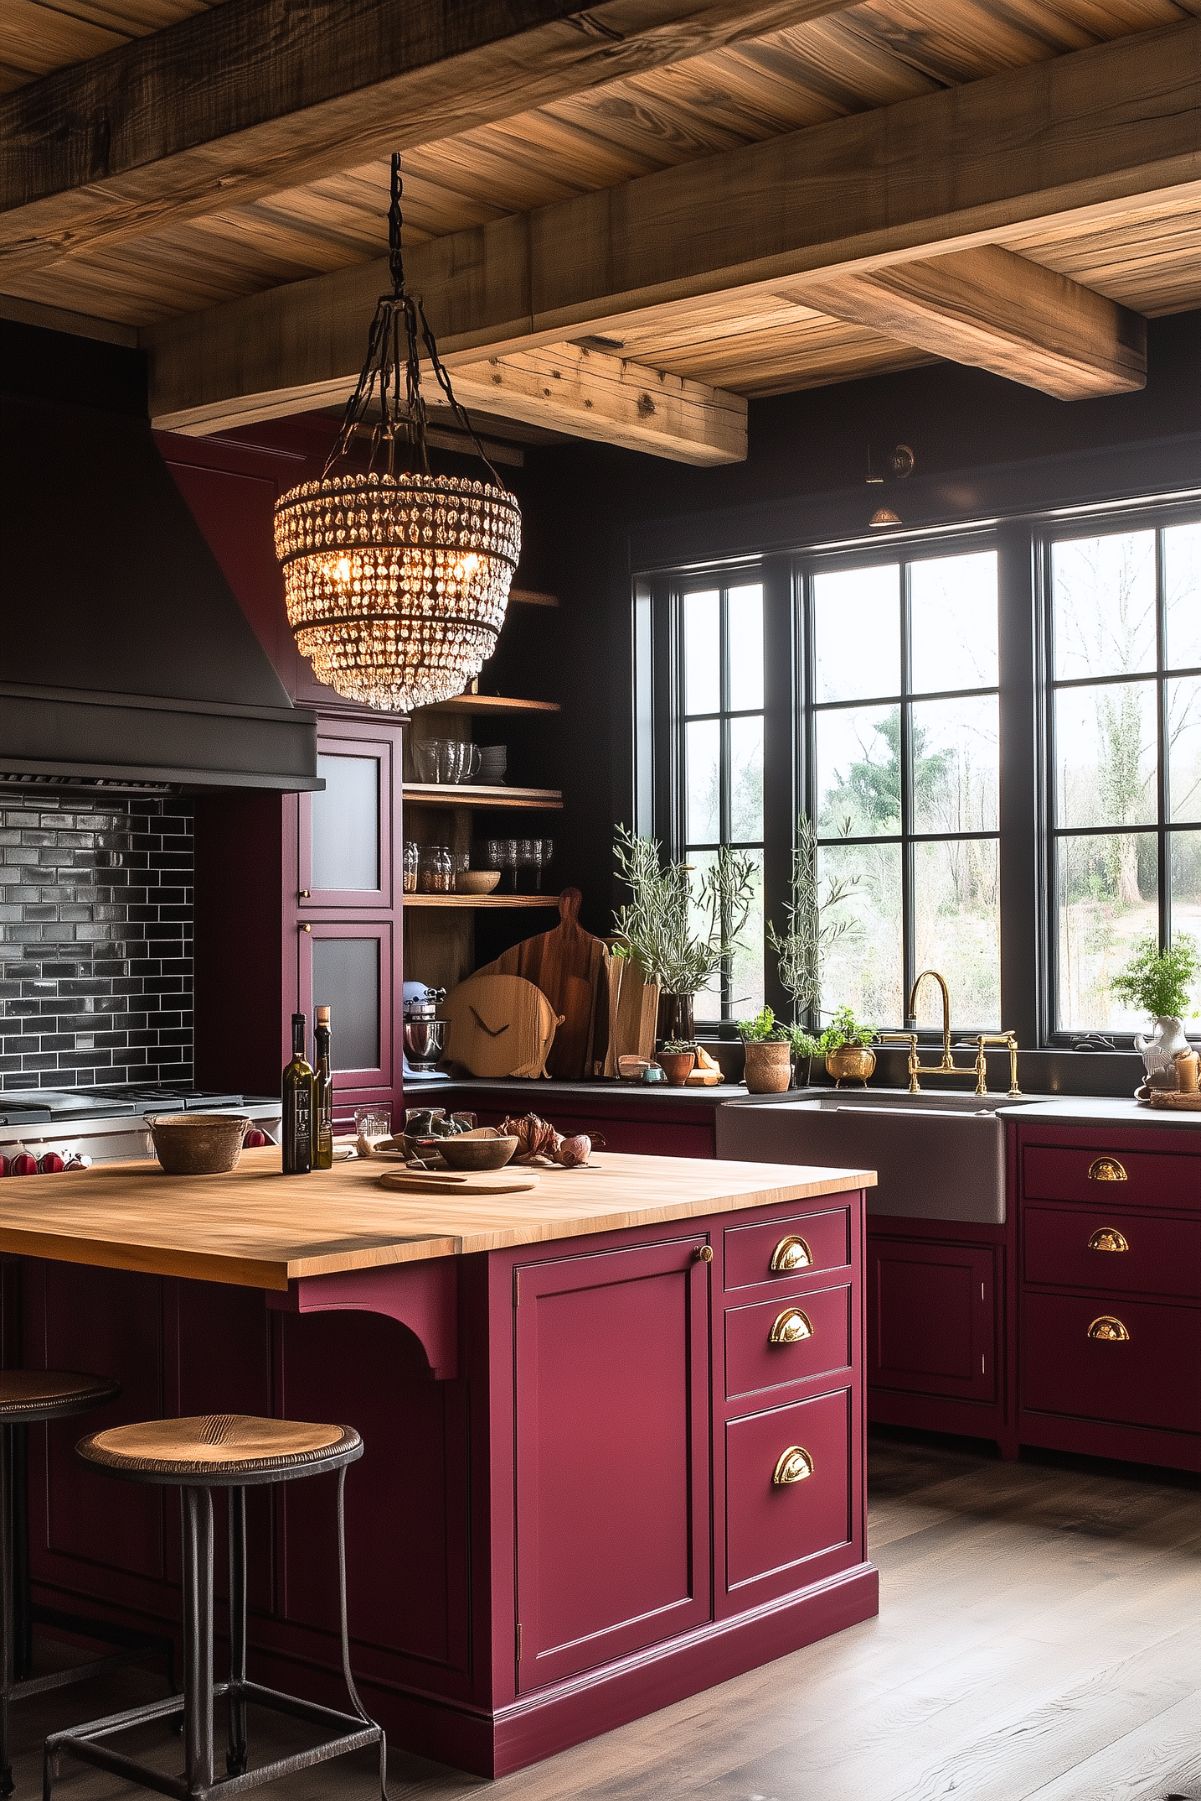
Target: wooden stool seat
221, 1449
27, 1396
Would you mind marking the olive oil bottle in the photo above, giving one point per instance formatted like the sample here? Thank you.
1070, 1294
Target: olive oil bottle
323, 1093
297, 1094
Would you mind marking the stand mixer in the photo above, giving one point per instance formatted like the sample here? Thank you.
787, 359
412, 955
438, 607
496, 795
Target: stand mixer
424, 1032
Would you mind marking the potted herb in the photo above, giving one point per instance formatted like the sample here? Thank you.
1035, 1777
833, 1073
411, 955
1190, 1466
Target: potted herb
767, 1053
845, 1044
676, 1059
682, 927
809, 931
1158, 982
805, 1047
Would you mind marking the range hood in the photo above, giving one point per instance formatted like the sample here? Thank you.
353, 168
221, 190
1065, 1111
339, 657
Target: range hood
125, 659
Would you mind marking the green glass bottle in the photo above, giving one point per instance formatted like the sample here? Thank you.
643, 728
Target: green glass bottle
297, 1094
323, 1093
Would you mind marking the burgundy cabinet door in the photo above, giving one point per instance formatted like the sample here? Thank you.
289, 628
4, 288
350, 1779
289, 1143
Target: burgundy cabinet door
931, 1312
349, 966
613, 1456
345, 848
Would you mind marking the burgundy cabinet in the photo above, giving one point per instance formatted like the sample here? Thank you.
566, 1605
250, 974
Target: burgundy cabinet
612, 1383
931, 1318
347, 832
349, 965
1137, 1365
789, 1516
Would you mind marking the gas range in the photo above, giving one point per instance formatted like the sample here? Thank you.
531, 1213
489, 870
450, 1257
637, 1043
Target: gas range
102, 1124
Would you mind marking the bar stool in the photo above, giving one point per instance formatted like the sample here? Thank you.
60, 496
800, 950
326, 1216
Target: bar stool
197, 1455
27, 1398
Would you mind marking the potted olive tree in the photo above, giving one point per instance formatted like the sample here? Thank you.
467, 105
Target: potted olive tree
1158, 982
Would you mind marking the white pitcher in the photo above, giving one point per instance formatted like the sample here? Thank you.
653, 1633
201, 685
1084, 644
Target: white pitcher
1158, 1050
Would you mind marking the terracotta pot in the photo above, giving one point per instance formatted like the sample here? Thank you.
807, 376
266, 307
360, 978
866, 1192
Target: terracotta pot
851, 1063
676, 1066
767, 1066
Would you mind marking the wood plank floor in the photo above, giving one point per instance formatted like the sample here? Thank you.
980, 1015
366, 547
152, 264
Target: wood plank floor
1039, 1640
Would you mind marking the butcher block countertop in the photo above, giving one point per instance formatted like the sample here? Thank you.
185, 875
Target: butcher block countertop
256, 1228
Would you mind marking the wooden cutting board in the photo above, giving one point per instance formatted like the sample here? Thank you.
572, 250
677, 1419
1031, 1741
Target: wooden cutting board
417, 1181
499, 1025
571, 967
633, 1011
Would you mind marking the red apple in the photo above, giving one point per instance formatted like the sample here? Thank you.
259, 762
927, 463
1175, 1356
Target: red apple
23, 1165
254, 1138
51, 1164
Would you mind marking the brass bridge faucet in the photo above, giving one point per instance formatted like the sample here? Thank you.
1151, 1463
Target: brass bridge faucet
946, 1065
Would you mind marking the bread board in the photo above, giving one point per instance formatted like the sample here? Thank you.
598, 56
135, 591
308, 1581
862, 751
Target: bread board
432, 1181
1176, 1103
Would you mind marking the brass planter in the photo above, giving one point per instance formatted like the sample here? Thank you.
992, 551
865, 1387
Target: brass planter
767, 1067
851, 1063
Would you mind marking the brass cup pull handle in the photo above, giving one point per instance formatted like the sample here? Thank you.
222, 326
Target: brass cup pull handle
1107, 1329
790, 1327
1108, 1238
791, 1253
793, 1465
1106, 1169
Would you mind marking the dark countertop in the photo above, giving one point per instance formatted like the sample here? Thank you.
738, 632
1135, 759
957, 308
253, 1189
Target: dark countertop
532, 1092
1089, 1110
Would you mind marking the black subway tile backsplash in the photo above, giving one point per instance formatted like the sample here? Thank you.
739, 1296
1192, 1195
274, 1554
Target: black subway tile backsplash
95, 944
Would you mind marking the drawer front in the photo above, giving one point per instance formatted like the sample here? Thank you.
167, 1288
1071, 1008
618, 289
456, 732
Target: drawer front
780, 1250
774, 1528
1115, 1248
1150, 1378
787, 1339
1093, 1173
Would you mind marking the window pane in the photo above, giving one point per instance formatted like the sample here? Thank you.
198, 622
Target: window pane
707, 1003
863, 969
702, 762
953, 622
1106, 899
1103, 596
954, 750
957, 930
858, 771
744, 631
1182, 592
702, 653
857, 631
746, 965
746, 780
1184, 748
1186, 900
1105, 755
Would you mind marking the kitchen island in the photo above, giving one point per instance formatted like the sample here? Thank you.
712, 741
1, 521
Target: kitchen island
614, 1427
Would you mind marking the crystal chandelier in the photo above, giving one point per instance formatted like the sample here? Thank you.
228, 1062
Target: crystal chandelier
396, 579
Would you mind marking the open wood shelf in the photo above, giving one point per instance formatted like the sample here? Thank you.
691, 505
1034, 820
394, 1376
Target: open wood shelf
533, 597
464, 794
492, 703
481, 900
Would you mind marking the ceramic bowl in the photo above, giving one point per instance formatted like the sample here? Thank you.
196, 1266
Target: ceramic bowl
477, 881
490, 1150
198, 1144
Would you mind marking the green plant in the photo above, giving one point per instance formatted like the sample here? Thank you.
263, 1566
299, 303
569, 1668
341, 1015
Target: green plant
807, 933
803, 1043
678, 1047
1158, 981
681, 931
763, 1029
844, 1028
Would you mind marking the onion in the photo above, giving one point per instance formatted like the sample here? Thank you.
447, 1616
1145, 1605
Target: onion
572, 1152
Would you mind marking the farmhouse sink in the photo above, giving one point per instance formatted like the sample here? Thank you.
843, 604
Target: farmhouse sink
937, 1156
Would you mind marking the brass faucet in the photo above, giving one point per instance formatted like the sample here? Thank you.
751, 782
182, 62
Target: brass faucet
946, 1065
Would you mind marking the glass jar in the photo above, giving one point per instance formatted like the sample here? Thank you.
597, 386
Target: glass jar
410, 866
436, 870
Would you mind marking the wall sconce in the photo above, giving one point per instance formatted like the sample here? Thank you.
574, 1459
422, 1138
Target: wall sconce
897, 466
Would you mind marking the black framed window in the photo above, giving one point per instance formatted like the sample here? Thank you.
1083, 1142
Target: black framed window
1123, 631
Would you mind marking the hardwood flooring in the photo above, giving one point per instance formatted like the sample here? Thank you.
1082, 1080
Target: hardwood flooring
1039, 1639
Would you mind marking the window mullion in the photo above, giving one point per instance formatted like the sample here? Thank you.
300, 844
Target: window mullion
1163, 774
905, 772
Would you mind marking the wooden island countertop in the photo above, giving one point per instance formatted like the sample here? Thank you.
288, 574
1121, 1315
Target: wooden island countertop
259, 1229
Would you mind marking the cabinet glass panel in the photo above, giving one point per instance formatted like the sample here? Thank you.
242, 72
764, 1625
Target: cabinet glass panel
346, 841
346, 977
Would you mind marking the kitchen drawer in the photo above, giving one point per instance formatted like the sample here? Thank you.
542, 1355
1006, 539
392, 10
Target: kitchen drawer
755, 1360
798, 1243
772, 1529
1095, 1173
1151, 1378
1124, 1251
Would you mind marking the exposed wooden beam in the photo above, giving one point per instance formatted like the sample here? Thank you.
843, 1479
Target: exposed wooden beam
1001, 312
258, 95
1079, 135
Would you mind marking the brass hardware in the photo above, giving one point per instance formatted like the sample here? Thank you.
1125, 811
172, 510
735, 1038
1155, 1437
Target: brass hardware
1106, 1169
946, 1065
306, 927
1108, 1238
305, 894
704, 1253
792, 1465
1106, 1329
790, 1327
791, 1253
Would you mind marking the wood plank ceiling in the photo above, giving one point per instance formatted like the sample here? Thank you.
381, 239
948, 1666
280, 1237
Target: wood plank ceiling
851, 60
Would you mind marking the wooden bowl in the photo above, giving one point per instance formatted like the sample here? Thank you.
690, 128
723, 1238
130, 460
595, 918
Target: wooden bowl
477, 881
198, 1144
468, 1152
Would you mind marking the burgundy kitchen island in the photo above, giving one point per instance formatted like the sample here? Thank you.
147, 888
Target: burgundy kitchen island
614, 1428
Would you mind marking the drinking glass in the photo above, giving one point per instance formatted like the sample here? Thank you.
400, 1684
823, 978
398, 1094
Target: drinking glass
529, 856
509, 860
370, 1125
494, 853
548, 856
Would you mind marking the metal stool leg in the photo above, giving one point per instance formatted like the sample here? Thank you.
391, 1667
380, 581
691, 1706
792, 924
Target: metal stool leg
199, 1761
235, 1759
344, 1625
22, 1603
7, 1602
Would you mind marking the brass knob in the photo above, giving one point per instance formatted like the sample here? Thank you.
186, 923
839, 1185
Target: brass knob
704, 1253
790, 1327
1108, 1238
1105, 1329
791, 1253
305, 894
306, 927
1106, 1169
792, 1465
